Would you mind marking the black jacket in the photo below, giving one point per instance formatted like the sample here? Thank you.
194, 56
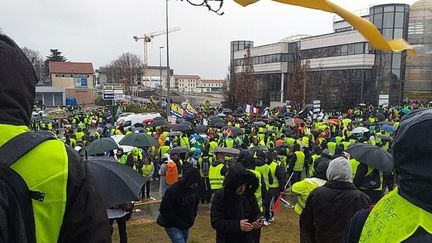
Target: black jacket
228, 208
179, 205
329, 209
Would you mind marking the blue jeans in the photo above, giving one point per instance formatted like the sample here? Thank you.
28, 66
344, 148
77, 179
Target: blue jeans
177, 235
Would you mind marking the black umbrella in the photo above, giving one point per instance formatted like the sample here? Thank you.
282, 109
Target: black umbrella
380, 116
159, 123
138, 140
372, 155
179, 150
116, 183
236, 131
181, 127
216, 120
227, 151
186, 123
201, 128
219, 124
101, 145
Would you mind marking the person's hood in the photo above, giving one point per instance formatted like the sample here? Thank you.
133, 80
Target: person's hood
190, 176
259, 162
17, 84
321, 169
339, 169
246, 159
238, 175
412, 155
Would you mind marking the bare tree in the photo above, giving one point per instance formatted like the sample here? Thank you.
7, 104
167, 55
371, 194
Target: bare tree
300, 88
36, 60
245, 86
125, 69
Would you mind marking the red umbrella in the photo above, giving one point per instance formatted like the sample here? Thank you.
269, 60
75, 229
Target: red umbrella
333, 121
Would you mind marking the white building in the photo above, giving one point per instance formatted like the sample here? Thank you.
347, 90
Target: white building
185, 83
210, 86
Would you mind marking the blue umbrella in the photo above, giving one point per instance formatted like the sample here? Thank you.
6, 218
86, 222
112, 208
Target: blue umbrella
387, 128
406, 110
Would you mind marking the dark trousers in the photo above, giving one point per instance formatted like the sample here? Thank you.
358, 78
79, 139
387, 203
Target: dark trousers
145, 190
271, 193
205, 192
121, 223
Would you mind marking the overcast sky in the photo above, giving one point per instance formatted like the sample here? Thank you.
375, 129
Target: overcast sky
98, 31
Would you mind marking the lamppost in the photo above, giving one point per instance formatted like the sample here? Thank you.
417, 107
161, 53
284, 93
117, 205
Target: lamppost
160, 66
167, 61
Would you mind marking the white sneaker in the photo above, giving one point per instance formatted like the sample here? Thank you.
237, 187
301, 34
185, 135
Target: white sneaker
272, 219
266, 223
152, 198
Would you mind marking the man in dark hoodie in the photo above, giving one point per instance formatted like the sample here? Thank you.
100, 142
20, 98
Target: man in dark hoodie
405, 214
68, 209
179, 206
329, 208
234, 211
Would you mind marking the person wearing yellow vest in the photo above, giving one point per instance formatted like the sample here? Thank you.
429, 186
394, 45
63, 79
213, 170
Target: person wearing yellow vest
147, 171
216, 177
369, 181
164, 149
410, 218
66, 206
79, 135
229, 142
184, 141
276, 185
331, 146
296, 164
247, 160
204, 163
212, 145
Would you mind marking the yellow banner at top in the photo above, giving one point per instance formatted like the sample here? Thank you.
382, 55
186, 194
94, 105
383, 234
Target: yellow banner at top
366, 28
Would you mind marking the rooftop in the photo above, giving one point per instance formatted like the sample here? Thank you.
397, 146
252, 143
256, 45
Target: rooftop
186, 76
71, 67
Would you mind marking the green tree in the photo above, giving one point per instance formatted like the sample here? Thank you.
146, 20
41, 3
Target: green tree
55, 56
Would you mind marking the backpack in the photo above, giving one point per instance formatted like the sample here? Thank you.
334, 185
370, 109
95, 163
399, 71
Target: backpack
171, 174
20, 218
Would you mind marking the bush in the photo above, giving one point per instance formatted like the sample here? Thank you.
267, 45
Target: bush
145, 108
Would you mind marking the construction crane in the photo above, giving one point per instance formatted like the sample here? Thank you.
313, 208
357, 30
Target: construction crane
147, 38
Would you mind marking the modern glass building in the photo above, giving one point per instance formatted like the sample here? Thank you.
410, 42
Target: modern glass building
389, 69
418, 83
345, 69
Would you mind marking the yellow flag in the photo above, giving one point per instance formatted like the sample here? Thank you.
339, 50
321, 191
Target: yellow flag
366, 28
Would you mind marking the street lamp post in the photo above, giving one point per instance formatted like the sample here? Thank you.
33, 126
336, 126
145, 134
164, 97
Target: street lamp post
160, 66
167, 61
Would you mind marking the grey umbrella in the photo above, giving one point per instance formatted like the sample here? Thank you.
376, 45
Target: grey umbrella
374, 156
138, 140
179, 150
101, 145
219, 124
115, 182
259, 124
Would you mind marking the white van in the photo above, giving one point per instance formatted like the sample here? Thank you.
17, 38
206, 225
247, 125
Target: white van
133, 119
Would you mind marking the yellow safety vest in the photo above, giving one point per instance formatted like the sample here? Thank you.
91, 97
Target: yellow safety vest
215, 177
147, 169
51, 178
229, 143
184, 142
331, 147
299, 164
346, 145
258, 193
303, 189
79, 136
354, 164
312, 167
264, 170
394, 219
213, 146
338, 140
273, 166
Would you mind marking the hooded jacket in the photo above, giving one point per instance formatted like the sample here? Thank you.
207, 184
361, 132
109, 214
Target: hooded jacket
85, 218
329, 208
179, 205
228, 208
